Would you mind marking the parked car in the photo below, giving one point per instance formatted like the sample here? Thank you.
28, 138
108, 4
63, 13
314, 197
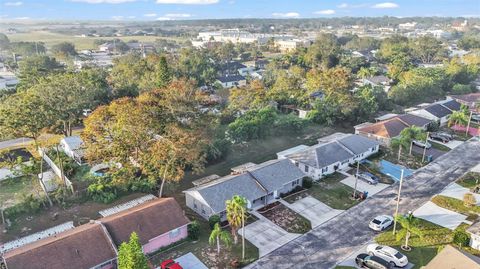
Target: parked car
373, 262
438, 137
446, 135
389, 254
476, 117
422, 144
380, 223
170, 264
369, 178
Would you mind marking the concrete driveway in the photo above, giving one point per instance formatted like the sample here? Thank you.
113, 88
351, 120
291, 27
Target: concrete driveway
440, 216
265, 235
190, 261
313, 210
350, 260
452, 144
363, 186
431, 151
456, 191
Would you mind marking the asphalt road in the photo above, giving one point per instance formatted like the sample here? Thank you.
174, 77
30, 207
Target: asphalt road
431, 151
333, 241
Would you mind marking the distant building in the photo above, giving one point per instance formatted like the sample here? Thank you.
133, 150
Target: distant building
74, 148
407, 25
288, 45
378, 81
439, 111
232, 81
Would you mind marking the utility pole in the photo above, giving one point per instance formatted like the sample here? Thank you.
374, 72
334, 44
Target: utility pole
469, 120
356, 180
425, 148
398, 203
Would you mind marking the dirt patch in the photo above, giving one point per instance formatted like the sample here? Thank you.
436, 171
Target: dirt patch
286, 218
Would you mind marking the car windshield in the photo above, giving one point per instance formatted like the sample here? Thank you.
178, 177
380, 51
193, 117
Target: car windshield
398, 255
376, 221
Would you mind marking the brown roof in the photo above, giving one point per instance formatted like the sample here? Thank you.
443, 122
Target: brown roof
148, 220
452, 258
392, 127
467, 98
83, 247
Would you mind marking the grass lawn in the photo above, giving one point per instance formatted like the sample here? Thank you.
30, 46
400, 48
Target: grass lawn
207, 253
332, 192
455, 205
81, 43
469, 180
12, 190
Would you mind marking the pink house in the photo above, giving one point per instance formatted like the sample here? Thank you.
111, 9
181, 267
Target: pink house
158, 223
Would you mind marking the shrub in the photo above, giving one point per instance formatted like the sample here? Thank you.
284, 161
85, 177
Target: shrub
102, 193
307, 182
29, 204
214, 219
461, 89
469, 200
461, 238
290, 123
193, 230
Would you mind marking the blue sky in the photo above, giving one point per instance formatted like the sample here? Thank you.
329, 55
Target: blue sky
214, 9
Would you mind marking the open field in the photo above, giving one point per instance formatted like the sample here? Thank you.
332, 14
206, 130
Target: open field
81, 43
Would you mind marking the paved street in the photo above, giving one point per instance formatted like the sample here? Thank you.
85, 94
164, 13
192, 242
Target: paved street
333, 241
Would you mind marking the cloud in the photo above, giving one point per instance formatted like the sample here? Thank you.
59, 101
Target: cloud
164, 19
325, 12
345, 5
385, 5
150, 15
286, 15
103, 1
22, 18
13, 4
178, 15
188, 2
117, 18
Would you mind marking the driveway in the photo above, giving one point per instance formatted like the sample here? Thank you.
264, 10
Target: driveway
456, 191
440, 216
363, 186
265, 235
452, 144
334, 240
431, 151
313, 210
190, 261
350, 260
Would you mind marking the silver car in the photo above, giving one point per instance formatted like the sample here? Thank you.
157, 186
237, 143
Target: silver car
389, 254
422, 144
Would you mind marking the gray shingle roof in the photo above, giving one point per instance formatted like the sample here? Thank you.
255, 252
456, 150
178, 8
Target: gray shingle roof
452, 105
411, 119
276, 173
438, 110
358, 144
331, 153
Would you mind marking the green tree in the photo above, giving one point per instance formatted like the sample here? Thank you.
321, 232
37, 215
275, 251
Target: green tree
253, 96
324, 52
409, 226
130, 254
218, 235
427, 49
28, 48
458, 118
366, 72
4, 42
236, 212
288, 87
412, 133
163, 74
34, 68
64, 50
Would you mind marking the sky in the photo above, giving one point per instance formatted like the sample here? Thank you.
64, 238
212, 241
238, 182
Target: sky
216, 9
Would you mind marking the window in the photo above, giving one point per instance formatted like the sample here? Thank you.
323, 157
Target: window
306, 168
195, 205
296, 164
174, 233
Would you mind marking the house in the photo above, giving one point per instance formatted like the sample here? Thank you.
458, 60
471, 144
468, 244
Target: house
389, 127
73, 147
87, 246
451, 257
260, 184
106, 47
439, 111
474, 232
378, 81
231, 68
158, 223
471, 100
334, 152
232, 81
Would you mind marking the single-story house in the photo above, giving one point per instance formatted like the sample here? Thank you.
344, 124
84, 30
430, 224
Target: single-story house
471, 100
383, 131
231, 68
439, 111
451, 257
474, 232
260, 184
87, 246
232, 81
332, 154
158, 223
378, 81
73, 147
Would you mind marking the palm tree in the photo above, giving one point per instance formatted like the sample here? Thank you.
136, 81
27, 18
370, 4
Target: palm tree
399, 142
413, 133
409, 224
236, 208
366, 72
458, 118
218, 235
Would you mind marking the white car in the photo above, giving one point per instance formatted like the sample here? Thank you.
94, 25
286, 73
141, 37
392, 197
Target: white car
380, 223
422, 144
389, 254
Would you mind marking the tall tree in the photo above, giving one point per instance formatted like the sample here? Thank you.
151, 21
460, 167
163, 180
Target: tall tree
253, 96
236, 211
410, 226
427, 49
218, 235
34, 68
458, 118
64, 50
324, 51
163, 73
130, 254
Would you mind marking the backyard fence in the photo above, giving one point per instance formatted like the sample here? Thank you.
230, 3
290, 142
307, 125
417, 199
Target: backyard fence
56, 169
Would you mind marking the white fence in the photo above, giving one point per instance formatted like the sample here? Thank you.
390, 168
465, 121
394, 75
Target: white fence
55, 168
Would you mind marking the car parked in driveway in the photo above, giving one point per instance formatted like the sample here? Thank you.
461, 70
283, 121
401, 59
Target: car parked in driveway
170, 264
476, 117
438, 137
380, 223
446, 135
366, 261
389, 254
369, 178
422, 144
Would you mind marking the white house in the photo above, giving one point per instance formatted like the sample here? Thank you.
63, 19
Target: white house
331, 154
378, 81
73, 147
232, 81
439, 111
474, 232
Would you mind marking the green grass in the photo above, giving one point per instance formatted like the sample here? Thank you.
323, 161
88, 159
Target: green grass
81, 43
469, 180
13, 189
344, 267
332, 192
455, 205
207, 253
439, 146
